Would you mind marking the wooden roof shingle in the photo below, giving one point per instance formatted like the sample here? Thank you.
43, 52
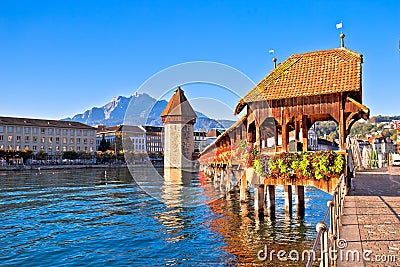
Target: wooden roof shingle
309, 74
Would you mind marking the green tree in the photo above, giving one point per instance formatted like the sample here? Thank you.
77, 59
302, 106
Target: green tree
26, 154
70, 154
104, 145
41, 155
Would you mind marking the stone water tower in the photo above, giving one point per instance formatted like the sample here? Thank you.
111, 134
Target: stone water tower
179, 119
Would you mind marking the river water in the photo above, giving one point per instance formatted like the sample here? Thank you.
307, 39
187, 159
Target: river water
79, 218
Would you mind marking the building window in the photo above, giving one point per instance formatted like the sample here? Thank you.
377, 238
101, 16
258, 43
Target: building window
85, 149
64, 148
91, 141
78, 148
57, 140
35, 130
64, 140
27, 130
72, 132
26, 147
79, 132
19, 129
78, 140
71, 140
50, 149
10, 129
58, 131
84, 132
50, 139
71, 148
34, 139
27, 138
10, 138
34, 147
42, 148
85, 141
1, 137
43, 130
51, 130
57, 148
1, 129
18, 147
43, 140
10, 147
64, 131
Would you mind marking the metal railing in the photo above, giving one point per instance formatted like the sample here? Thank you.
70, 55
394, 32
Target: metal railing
328, 237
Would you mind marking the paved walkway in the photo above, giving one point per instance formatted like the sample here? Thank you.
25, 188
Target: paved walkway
371, 220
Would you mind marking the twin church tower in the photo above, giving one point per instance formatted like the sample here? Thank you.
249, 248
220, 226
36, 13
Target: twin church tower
179, 119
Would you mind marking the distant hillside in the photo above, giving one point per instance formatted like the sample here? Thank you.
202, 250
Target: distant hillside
144, 110
379, 118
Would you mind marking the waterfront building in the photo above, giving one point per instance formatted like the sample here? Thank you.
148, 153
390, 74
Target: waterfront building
179, 119
107, 133
50, 136
154, 139
200, 141
137, 134
115, 134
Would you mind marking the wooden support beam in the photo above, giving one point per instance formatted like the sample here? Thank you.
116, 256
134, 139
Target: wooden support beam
342, 130
271, 201
300, 204
285, 137
259, 200
288, 200
304, 132
297, 130
342, 124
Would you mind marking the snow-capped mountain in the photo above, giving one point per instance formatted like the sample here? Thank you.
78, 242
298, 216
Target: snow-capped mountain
144, 110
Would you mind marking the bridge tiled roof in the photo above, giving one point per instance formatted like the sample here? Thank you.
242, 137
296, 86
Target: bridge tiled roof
309, 74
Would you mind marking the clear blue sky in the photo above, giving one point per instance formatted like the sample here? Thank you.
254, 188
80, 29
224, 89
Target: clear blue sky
59, 58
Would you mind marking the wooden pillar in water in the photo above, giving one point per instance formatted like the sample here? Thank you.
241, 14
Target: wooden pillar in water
288, 199
271, 200
300, 205
259, 198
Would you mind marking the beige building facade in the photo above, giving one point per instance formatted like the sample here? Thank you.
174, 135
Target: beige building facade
50, 136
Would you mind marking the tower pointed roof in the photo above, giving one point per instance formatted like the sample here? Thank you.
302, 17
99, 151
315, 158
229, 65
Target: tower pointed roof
179, 107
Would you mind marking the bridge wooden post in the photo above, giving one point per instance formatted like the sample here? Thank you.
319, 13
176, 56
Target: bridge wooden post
297, 130
304, 132
271, 200
259, 198
342, 125
300, 207
288, 199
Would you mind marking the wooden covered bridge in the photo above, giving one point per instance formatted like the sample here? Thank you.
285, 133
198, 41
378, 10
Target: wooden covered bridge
303, 89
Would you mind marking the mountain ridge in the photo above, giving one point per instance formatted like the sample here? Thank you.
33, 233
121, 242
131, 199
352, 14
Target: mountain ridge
138, 109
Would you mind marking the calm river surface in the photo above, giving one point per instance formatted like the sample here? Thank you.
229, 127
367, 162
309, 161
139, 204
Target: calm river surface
77, 218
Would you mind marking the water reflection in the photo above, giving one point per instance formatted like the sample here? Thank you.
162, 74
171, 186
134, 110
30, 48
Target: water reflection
89, 217
245, 232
